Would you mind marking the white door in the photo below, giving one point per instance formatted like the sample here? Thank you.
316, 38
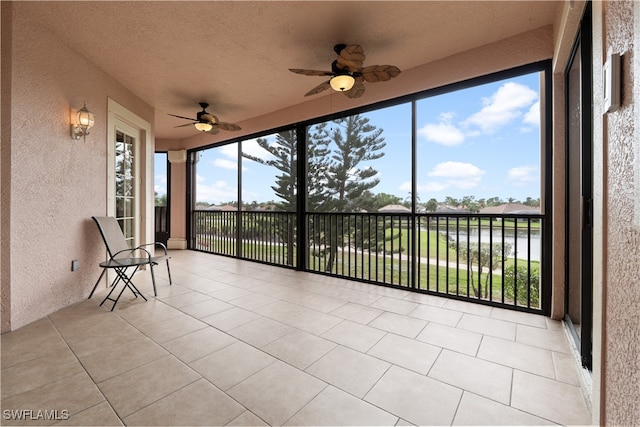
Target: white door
127, 181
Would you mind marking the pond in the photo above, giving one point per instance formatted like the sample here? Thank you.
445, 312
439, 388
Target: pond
520, 242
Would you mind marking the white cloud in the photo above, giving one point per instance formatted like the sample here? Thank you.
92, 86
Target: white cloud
522, 175
532, 117
218, 192
229, 150
457, 175
502, 107
225, 164
442, 132
252, 148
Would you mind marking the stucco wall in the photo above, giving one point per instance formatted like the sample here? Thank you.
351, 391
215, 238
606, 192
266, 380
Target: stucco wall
622, 286
56, 183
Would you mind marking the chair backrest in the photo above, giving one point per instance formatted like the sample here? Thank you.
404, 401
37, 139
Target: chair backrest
112, 235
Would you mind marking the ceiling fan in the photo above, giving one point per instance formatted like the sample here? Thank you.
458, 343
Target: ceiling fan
348, 74
207, 122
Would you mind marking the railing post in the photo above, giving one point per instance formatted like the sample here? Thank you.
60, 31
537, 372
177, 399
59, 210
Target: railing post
302, 245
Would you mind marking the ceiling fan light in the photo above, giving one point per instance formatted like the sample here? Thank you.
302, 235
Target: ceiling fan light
342, 82
204, 126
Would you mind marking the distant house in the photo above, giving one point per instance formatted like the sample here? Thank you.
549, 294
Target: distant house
394, 209
510, 208
450, 209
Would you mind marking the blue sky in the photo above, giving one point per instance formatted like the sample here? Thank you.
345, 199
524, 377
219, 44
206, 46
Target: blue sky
482, 141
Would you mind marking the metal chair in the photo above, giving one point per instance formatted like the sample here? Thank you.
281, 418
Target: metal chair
122, 257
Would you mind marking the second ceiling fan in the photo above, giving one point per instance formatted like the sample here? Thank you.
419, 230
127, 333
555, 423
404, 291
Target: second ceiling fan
207, 122
348, 74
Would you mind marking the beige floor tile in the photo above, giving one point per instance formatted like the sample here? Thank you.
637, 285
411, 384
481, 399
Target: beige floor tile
555, 340
565, 367
198, 344
104, 340
475, 375
49, 368
475, 410
133, 390
151, 311
299, 348
354, 335
230, 319
247, 418
252, 301
108, 363
312, 321
349, 370
488, 326
468, 307
101, 414
356, 312
452, 338
436, 314
404, 423
277, 392
206, 286
394, 305
232, 364
520, 356
408, 353
415, 398
334, 407
198, 404
398, 324
553, 400
321, 303
73, 394
206, 308
426, 299
30, 342
280, 310
529, 319
187, 298
261, 332
230, 294
169, 329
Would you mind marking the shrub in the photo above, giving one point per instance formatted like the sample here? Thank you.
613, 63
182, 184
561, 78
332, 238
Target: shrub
519, 277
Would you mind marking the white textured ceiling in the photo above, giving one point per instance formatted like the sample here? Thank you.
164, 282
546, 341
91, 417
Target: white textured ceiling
236, 54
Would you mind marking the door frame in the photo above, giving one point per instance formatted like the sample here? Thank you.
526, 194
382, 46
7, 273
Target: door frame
117, 114
584, 338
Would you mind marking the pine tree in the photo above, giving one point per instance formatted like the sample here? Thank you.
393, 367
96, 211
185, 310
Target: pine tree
356, 141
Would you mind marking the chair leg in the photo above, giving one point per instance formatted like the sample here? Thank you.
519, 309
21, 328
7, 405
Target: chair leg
97, 281
153, 280
169, 272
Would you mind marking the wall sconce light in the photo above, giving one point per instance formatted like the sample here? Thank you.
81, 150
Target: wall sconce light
342, 82
84, 123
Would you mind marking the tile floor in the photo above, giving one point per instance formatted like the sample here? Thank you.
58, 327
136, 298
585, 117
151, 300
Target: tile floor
240, 343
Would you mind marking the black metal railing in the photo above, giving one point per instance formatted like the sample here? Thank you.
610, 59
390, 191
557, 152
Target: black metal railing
487, 258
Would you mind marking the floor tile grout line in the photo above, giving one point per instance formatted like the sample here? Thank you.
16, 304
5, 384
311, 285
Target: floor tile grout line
85, 371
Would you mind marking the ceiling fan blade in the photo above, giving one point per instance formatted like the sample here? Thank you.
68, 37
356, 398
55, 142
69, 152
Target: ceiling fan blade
320, 88
351, 58
210, 118
188, 124
310, 72
228, 126
181, 117
379, 73
356, 91
214, 130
